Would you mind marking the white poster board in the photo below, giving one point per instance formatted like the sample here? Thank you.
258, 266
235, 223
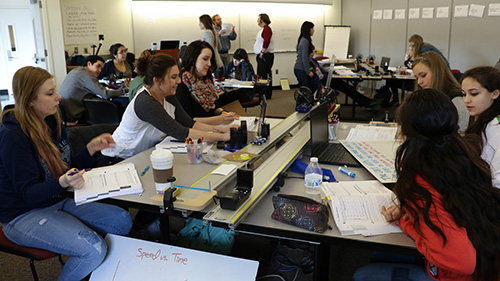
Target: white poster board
80, 24
336, 41
131, 259
376, 156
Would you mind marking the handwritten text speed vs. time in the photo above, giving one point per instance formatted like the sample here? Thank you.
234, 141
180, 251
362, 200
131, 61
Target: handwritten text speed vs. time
176, 257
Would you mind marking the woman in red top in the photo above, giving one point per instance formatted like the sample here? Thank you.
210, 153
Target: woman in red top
447, 202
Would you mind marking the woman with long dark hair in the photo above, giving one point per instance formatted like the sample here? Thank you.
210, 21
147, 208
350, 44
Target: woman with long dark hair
446, 200
196, 92
241, 69
481, 88
302, 69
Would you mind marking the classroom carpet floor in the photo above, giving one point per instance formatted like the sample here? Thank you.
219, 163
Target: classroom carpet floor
344, 260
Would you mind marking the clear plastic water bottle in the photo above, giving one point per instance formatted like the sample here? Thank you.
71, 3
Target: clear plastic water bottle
313, 179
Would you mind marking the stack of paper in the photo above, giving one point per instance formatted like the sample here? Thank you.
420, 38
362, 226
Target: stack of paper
111, 181
364, 132
356, 207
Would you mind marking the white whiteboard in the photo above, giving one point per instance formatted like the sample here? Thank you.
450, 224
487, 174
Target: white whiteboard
131, 259
154, 21
336, 41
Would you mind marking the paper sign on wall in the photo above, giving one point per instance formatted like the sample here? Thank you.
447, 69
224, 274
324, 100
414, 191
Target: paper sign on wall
387, 14
442, 12
427, 13
399, 14
377, 14
461, 11
494, 10
414, 13
476, 11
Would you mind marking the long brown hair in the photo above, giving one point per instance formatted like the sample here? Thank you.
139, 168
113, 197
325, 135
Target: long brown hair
418, 42
442, 78
25, 85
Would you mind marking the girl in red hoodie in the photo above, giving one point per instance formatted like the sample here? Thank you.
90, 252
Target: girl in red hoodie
447, 202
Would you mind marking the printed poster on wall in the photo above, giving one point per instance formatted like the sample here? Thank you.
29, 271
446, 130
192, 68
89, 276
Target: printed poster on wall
494, 10
399, 14
476, 11
427, 13
414, 13
387, 14
80, 24
377, 14
442, 12
461, 11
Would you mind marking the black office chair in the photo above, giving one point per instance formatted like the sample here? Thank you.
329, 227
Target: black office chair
99, 111
9, 106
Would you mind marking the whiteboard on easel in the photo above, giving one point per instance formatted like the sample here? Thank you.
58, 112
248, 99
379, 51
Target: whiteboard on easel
130, 259
336, 41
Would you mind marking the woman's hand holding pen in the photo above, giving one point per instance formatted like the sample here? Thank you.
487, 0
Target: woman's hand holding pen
73, 178
227, 117
99, 143
393, 214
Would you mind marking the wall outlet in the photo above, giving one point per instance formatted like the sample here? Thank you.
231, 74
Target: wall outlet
277, 71
76, 50
85, 50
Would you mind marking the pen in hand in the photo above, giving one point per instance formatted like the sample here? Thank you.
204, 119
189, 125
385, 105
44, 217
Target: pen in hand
76, 172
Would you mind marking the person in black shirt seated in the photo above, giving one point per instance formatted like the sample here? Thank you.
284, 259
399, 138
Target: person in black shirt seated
239, 68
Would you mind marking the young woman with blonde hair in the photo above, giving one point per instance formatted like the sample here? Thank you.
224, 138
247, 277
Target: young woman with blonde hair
35, 161
432, 73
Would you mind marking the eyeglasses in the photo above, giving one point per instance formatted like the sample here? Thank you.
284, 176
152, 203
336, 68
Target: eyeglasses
123, 51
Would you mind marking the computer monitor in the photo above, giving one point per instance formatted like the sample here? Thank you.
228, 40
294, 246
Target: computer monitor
319, 128
169, 44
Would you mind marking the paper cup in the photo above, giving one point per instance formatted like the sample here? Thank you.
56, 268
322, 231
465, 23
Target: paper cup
162, 161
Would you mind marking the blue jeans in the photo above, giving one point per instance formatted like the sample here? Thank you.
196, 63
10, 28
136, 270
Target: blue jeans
76, 231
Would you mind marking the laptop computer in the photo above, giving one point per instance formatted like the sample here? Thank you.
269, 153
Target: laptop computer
169, 44
327, 153
384, 63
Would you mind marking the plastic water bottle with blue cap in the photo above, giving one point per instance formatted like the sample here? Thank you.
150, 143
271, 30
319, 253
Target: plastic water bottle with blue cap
313, 179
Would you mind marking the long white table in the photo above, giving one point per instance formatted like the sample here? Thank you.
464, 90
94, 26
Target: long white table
257, 219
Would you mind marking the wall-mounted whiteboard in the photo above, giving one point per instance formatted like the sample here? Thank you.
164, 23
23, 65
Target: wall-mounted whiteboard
131, 259
336, 41
154, 21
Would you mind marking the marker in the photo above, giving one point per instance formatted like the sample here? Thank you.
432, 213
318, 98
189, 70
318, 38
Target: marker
236, 115
145, 170
74, 173
345, 171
